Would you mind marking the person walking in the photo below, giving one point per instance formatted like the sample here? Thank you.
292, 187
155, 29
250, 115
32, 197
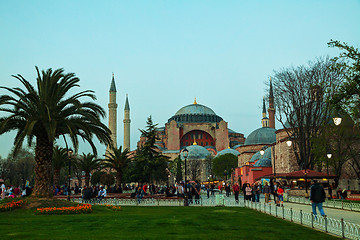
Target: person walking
280, 193
267, 191
257, 192
248, 192
317, 197
197, 189
243, 189
236, 190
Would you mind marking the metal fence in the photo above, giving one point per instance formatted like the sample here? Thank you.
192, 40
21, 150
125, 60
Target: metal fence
352, 206
337, 227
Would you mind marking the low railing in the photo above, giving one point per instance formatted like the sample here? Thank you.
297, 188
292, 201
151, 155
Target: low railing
337, 227
352, 206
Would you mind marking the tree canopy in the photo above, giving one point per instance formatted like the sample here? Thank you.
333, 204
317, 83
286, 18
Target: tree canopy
224, 163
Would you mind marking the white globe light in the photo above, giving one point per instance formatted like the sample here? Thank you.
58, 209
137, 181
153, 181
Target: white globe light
329, 155
289, 142
337, 120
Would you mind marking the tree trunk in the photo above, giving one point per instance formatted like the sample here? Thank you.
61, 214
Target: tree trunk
87, 179
56, 177
118, 179
43, 154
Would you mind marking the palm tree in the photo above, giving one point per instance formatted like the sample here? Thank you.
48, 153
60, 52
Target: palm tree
88, 163
46, 113
59, 160
117, 160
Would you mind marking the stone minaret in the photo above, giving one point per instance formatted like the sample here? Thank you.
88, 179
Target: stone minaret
112, 112
264, 120
271, 109
127, 124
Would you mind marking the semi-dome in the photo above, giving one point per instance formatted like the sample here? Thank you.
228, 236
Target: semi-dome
264, 135
227, 150
255, 157
196, 152
265, 160
195, 113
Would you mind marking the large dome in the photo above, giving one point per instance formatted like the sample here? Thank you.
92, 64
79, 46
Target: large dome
195, 109
196, 152
195, 113
264, 135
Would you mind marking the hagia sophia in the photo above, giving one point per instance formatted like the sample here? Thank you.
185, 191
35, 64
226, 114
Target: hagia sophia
196, 127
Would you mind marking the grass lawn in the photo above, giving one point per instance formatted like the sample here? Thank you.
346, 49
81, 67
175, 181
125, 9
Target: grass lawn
153, 223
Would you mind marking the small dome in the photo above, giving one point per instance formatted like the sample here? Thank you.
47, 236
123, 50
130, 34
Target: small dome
228, 150
255, 157
264, 135
196, 152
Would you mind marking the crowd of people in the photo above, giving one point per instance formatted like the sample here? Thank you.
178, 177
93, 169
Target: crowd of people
252, 192
14, 191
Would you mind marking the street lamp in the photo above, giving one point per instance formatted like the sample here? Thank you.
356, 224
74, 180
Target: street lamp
329, 155
70, 152
337, 120
262, 152
289, 142
185, 154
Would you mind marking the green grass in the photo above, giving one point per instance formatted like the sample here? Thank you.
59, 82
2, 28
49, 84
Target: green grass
153, 223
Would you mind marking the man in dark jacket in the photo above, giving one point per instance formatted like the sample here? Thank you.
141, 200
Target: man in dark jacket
317, 197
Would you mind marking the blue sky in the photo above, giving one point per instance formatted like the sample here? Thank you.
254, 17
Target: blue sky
165, 53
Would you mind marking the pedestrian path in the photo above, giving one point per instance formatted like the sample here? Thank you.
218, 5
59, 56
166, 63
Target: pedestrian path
349, 216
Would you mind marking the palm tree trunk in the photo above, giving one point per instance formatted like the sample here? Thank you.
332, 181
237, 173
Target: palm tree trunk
56, 177
87, 179
43, 154
118, 179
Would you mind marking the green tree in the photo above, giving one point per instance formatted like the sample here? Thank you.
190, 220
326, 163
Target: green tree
176, 168
348, 95
15, 170
58, 161
117, 160
149, 165
46, 113
88, 163
224, 162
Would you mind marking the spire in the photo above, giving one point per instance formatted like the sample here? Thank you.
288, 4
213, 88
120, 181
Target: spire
264, 107
195, 101
271, 95
195, 143
112, 86
127, 107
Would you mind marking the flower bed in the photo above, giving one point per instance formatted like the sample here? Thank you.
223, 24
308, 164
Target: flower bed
11, 205
115, 208
85, 208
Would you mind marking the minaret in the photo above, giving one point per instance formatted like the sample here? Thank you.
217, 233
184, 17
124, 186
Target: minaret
112, 112
271, 109
127, 124
264, 120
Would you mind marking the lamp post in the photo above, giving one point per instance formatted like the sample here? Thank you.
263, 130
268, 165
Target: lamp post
329, 155
185, 153
225, 174
70, 152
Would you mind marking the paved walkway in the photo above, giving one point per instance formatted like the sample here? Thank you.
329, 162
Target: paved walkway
349, 216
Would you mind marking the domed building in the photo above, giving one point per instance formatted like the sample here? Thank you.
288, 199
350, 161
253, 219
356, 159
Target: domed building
258, 139
198, 165
200, 124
